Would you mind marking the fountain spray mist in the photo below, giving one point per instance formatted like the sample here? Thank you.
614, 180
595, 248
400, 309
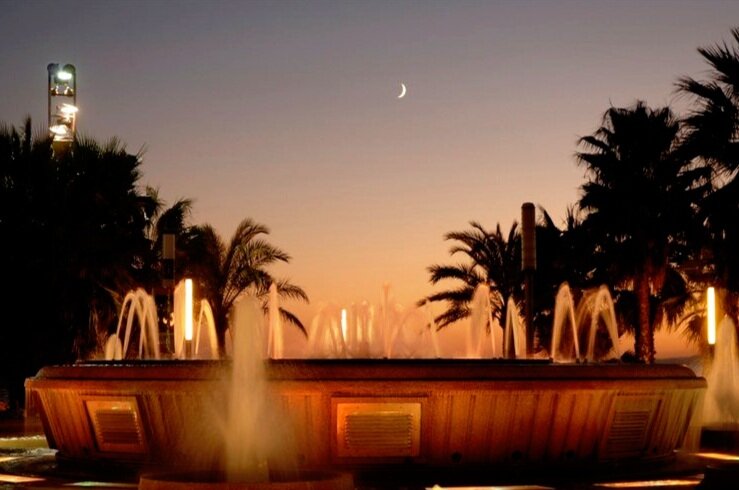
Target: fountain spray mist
255, 432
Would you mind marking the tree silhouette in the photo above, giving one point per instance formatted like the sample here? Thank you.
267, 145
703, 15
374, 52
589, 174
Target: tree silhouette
491, 258
640, 201
73, 227
223, 272
712, 138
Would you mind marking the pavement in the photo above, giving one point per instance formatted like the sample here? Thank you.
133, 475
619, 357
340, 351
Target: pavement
26, 462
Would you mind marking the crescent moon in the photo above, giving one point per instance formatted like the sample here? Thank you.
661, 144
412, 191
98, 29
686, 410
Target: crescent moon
403, 90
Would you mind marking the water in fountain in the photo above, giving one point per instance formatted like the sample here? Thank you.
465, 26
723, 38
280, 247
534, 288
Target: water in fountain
275, 336
246, 460
363, 331
595, 310
721, 405
434, 329
325, 338
480, 324
599, 308
412, 336
564, 349
205, 336
138, 309
514, 336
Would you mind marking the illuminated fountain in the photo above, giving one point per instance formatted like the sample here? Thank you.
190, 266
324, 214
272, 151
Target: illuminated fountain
138, 310
480, 324
374, 411
594, 310
564, 315
366, 332
514, 336
721, 404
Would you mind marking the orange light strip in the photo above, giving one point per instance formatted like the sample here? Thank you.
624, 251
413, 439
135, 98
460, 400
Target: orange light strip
719, 456
18, 479
650, 483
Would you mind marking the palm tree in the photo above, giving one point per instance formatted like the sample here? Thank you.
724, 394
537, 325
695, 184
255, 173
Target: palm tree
492, 258
73, 225
224, 272
161, 220
639, 201
713, 139
562, 255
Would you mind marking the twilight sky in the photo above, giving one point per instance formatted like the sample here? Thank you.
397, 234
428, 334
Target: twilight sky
287, 112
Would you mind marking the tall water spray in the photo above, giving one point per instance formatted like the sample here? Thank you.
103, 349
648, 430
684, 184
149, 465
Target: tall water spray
255, 431
480, 324
564, 314
514, 336
601, 308
363, 331
138, 308
275, 337
721, 405
205, 336
325, 338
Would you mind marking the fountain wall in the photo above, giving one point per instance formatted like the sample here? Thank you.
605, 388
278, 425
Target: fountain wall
359, 413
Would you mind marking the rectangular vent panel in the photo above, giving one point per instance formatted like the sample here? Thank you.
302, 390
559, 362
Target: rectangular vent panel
116, 425
629, 427
390, 430
378, 429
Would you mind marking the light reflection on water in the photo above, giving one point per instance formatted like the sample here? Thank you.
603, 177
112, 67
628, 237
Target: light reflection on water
686, 482
719, 456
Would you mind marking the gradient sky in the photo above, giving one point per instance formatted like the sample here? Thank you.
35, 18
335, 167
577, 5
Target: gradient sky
287, 112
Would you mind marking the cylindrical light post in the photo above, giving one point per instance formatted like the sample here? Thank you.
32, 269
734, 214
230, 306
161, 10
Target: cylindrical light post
528, 266
62, 105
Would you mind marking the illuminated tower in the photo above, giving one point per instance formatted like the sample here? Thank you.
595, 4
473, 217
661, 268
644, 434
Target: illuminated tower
62, 104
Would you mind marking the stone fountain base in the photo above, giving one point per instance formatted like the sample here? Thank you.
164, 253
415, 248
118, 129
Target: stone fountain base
353, 414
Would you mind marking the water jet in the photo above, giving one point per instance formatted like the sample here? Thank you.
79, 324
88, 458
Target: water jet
369, 413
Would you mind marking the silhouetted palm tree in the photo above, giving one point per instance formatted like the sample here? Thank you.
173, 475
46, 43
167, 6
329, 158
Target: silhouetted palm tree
160, 220
491, 258
562, 255
73, 231
713, 138
639, 201
224, 272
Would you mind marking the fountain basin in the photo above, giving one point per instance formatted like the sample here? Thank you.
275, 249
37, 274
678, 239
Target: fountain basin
375, 413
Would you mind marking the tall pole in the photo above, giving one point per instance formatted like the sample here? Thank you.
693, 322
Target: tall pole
168, 284
61, 101
528, 266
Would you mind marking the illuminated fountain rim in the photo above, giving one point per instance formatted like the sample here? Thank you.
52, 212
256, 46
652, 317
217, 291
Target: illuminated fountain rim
390, 369
597, 403
201, 480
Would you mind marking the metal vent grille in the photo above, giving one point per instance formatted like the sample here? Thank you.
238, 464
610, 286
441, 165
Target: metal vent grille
385, 431
627, 434
377, 429
116, 425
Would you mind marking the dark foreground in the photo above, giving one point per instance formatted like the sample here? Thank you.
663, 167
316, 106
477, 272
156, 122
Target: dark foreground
27, 462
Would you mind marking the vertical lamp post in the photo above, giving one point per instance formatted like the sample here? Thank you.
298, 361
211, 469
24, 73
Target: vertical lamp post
168, 283
528, 266
188, 318
711, 316
62, 105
